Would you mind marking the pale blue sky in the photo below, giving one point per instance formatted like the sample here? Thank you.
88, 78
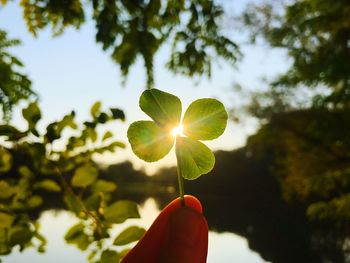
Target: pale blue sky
71, 72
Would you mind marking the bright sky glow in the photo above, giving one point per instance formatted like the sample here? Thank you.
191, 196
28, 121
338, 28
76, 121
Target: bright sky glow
71, 72
178, 130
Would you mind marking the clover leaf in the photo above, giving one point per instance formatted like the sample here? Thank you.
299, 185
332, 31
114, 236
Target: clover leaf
205, 119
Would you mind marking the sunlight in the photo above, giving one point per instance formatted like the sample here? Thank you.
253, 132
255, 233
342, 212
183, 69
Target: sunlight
178, 130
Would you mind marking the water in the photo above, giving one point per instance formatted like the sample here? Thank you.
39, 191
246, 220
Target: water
223, 247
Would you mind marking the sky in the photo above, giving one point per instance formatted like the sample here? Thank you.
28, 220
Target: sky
71, 72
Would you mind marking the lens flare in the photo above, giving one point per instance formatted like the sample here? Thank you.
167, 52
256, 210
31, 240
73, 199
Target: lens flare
177, 131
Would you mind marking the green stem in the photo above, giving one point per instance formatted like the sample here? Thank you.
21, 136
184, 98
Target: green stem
181, 187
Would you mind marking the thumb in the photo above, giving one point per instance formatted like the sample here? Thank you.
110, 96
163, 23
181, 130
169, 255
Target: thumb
186, 238
172, 234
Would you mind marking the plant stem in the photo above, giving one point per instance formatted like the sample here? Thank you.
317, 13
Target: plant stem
181, 187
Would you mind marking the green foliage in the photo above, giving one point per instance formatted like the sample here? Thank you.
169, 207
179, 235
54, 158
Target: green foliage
84, 176
103, 186
193, 158
310, 150
205, 119
40, 13
163, 108
5, 220
5, 160
131, 234
132, 29
48, 185
76, 235
33, 173
149, 141
109, 256
119, 211
316, 35
14, 85
32, 115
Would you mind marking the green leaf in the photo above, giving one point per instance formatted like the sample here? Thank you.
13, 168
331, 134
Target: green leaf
5, 160
193, 158
164, 108
48, 185
76, 236
109, 256
103, 186
35, 201
84, 176
12, 133
74, 232
103, 118
6, 190
25, 171
72, 203
95, 109
42, 242
205, 119
32, 115
129, 235
93, 202
6, 220
119, 211
19, 235
148, 141
117, 114
107, 135
92, 255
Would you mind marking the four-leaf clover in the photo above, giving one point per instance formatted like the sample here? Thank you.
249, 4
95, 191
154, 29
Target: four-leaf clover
205, 119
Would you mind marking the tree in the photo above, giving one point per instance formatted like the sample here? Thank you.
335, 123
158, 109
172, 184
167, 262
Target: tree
309, 140
14, 85
127, 29
316, 34
139, 28
36, 176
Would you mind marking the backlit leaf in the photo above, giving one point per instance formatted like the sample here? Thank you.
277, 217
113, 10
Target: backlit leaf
118, 114
107, 135
6, 220
84, 176
76, 236
164, 108
205, 119
48, 185
72, 203
32, 115
103, 186
74, 232
5, 160
34, 201
129, 235
119, 211
109, 256
148, 141
95, 109
6, 190
19, 235
193, 158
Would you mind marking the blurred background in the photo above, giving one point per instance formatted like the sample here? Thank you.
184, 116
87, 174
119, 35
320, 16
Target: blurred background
71, 73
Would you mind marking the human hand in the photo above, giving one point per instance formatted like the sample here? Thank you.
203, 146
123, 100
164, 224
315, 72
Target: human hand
179, 234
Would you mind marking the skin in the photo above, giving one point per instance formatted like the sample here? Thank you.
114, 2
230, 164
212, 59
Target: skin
179, 234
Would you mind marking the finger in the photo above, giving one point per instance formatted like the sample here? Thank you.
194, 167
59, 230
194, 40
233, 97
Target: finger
186, 240
150, 244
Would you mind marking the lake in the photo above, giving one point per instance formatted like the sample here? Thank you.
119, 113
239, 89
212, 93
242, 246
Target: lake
223, 247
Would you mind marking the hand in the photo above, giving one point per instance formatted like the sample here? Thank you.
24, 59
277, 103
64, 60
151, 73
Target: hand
179, 235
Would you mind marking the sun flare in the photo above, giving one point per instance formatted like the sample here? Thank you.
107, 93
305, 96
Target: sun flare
178, 130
